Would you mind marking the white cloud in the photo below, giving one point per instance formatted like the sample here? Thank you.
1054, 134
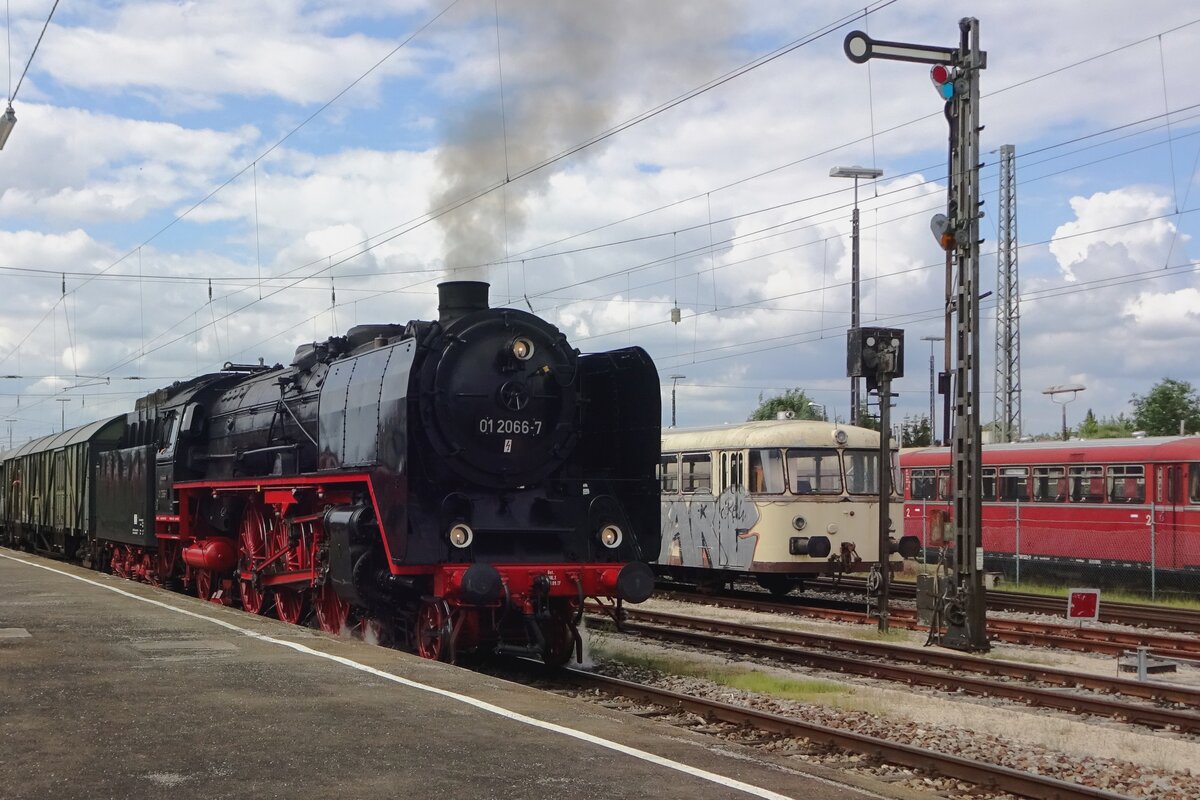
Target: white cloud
109, 149
1124, 222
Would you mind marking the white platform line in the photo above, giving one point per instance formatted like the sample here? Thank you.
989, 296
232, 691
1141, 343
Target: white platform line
499, 711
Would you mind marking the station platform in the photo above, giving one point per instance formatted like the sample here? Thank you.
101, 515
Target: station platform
110, 688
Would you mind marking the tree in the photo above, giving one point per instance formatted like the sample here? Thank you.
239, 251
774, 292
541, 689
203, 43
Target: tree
793, 400
1106, 428
866, 419
1168, 404
915, 431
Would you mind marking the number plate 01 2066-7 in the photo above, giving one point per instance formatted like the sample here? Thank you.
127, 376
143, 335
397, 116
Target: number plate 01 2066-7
510, 427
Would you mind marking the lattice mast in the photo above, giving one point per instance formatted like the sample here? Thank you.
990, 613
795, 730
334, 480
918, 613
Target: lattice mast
1007, 403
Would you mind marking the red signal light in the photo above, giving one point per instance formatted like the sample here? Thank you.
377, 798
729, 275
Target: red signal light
943, 80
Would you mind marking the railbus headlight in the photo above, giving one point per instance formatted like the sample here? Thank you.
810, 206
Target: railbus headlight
461, 535
522, 349
611, 536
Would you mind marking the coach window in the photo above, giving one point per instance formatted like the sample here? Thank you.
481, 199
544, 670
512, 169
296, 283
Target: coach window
1049, 485
668, 473
1014, 484
697, 472
862, 471
1087, 484
1127, 483
923, 484
814, 471
1194, 482
766, 471
988, 484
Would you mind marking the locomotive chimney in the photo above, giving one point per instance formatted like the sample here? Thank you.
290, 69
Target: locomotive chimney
459, 298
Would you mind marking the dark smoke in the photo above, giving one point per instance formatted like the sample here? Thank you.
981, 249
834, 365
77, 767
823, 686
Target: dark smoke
571, 69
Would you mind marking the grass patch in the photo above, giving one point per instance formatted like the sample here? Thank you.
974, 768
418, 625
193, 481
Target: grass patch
743, 678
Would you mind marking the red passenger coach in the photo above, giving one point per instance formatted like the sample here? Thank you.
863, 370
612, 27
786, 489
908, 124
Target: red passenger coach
1111, 507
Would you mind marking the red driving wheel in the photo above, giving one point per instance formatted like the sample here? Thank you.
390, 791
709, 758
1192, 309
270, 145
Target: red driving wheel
433, 630
289, 605
332, 611
252, 539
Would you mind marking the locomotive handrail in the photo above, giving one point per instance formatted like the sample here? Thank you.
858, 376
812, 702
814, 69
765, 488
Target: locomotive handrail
229, 366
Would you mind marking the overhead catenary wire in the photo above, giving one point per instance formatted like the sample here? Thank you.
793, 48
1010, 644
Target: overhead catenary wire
604, 135
13, 94
214, 321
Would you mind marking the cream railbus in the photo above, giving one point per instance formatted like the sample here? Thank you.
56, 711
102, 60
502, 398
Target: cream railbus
780, 500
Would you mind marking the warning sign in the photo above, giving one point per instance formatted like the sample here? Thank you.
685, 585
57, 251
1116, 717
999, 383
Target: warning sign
1083, 604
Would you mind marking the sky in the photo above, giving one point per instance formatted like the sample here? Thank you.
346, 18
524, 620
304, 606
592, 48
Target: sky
224, 181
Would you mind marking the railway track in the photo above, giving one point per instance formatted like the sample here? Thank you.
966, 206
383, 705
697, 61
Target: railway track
993, 776
846, 656
1136, 614
1027, 632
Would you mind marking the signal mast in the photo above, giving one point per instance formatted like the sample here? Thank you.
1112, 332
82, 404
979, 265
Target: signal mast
961, 605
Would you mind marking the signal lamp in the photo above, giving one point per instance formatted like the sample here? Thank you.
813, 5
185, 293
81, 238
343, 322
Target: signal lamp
611, 536
943, 80
522, 349
461, 535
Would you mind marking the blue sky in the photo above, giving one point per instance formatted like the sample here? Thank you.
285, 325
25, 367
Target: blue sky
134, 112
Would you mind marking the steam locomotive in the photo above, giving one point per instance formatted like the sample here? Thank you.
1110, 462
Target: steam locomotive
451, 486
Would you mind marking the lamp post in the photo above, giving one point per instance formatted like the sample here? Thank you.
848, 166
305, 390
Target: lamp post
8, 120
1067, 388
63, 415
856, 173
675, 379
932, 420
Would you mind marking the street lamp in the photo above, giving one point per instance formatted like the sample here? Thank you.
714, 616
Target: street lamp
7, 122
932, 422
675, 379
856, 173
63, 415
1067, 388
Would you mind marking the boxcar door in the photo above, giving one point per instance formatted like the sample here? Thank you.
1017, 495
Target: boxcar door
58, 507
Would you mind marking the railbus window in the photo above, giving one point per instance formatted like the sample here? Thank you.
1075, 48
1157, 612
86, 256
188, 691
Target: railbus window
922, 484
1087, 484
862, 471
1049, 485
1127, 483
814, 471
696, 472
736, 469
766, 471
1014, 484
943, 485
668, 473
988, 484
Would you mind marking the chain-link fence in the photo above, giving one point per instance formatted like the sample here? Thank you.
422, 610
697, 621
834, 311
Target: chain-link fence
1145, 550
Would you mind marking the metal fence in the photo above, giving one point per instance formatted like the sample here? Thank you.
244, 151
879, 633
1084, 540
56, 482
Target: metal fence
1145, 550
